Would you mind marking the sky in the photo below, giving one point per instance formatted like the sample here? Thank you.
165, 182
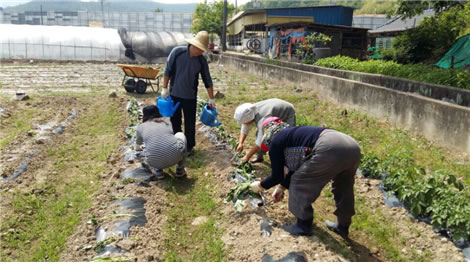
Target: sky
6, 3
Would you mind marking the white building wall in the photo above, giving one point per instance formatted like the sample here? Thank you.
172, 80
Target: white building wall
132, 21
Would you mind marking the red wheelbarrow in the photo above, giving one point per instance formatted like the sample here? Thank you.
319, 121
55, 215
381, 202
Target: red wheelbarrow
137, 78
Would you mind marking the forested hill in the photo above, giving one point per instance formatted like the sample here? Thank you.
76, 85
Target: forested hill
361, 6
108, 6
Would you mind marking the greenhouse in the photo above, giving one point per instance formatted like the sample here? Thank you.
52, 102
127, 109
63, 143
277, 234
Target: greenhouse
69, 43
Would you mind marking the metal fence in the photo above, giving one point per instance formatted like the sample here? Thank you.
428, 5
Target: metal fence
63, 52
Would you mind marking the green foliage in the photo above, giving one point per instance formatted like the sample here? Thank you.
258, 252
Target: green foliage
272, 62
209, 17
451, 77
241, 191
312, 41
412, 8
100, 245
237, 191
301, 120
434, 36
376, 7
134, 111
438, 196
184, 241
370, 166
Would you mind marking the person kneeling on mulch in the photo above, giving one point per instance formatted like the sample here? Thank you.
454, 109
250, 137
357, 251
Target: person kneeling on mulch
313, 156
163, 149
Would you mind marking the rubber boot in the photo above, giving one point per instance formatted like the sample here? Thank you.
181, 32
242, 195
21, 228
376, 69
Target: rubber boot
301, 228
338, 229
159, 174
258, 158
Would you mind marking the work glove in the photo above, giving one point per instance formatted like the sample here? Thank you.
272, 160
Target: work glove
278, 194
256, 187
165, 93
212, 103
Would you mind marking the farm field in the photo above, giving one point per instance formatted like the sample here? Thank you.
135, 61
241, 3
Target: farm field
54, 209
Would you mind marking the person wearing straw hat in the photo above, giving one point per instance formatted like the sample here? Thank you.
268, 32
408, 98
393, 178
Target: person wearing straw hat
183, 67
313, 157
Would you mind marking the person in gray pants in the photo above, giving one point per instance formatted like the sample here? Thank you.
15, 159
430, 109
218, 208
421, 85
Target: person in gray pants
313, 157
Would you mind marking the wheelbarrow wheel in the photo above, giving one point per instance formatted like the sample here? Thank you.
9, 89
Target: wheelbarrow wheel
140, 87
129, 85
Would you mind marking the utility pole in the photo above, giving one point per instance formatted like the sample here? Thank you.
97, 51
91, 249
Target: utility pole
102, 10
41, 16
224, 28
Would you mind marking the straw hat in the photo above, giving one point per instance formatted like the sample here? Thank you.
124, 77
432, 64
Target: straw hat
201, 40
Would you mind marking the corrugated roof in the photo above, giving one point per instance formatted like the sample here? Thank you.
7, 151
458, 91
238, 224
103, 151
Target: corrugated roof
243, 13
263, 10
401, 25
301, 7
302, 24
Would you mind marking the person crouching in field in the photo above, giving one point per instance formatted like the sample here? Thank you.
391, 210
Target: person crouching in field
314, 156
163, 149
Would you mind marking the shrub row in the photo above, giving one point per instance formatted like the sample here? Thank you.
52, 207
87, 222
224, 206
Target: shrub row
437, 196
459, 78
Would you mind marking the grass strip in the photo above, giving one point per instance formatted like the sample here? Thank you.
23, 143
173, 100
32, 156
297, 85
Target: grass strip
193, 198
40, 222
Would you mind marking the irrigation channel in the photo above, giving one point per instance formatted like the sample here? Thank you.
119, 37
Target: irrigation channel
125, 214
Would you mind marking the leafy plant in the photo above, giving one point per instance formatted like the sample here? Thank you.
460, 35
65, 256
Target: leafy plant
100, 246
370, 166
434, 36
306, 48
438, 196
272, 61
452, 77
208, 17
236, 191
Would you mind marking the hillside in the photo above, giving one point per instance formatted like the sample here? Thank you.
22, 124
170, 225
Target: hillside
360, 6
109, 5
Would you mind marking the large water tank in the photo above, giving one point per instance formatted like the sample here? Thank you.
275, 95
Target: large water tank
149, 47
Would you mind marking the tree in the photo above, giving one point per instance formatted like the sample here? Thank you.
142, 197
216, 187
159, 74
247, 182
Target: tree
306, 49
209, 17
376, 7
433, 37
412, 8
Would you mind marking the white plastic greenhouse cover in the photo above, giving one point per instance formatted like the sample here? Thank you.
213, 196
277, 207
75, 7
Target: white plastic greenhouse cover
60, 43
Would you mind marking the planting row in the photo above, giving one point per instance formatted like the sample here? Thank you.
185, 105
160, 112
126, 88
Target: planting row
459, 78
438, 198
